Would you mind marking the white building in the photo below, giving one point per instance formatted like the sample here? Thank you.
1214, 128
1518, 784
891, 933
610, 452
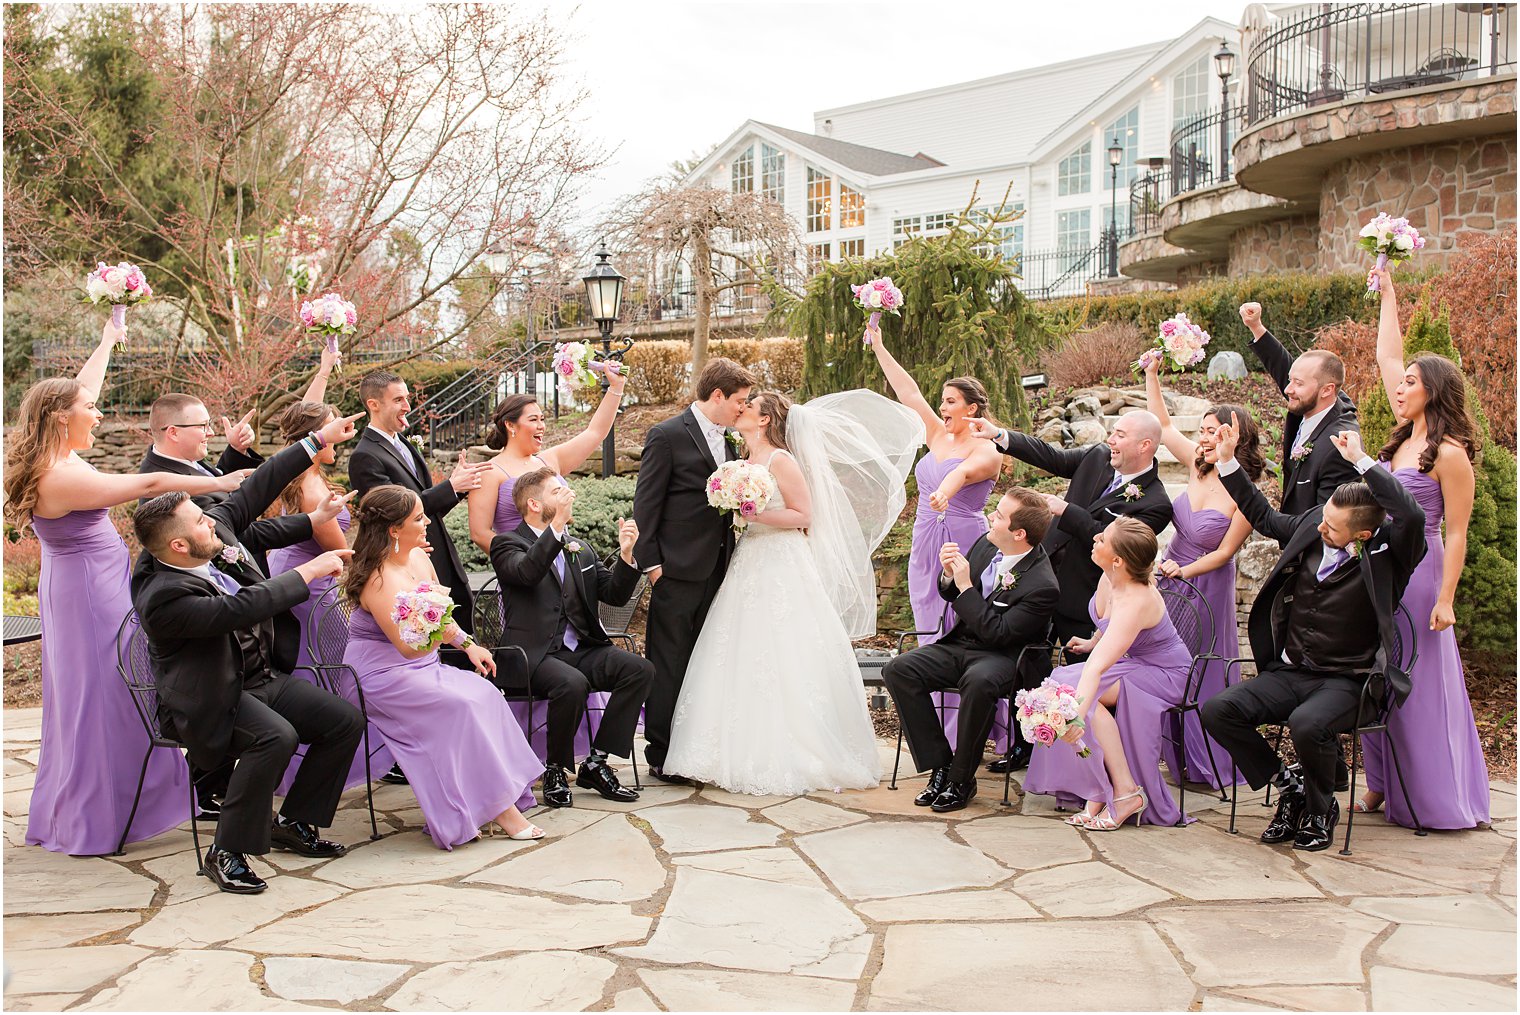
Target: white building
870, 174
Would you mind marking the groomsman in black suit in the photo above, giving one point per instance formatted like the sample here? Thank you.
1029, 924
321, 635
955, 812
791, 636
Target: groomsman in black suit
383, 456
1003, 592
553, 586
1317, 410
180, 427
1322, 623
208, 615
684, 542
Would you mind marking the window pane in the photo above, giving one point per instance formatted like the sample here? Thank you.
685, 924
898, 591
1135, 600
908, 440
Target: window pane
742, 176
819, 201
852, 208
852, 248
817, 254
1190, 91
1127, 129
1074, 175
773, 173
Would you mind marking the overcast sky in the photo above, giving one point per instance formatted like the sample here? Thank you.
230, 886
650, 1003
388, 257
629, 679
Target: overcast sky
670, 77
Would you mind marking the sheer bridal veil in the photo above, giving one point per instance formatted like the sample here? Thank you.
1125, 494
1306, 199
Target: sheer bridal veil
855, 449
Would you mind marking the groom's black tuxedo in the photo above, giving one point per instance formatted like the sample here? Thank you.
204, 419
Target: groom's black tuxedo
376, 462
691, 542
539, 604
977, 659
1069, 540
1313, 478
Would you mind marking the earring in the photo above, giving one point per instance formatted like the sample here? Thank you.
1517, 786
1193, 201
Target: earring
396, 547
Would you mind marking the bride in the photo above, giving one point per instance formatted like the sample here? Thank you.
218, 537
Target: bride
772, 701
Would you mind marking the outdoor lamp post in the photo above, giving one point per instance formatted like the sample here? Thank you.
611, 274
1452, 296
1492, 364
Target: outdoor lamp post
1224, 63
1115, 156
604, 291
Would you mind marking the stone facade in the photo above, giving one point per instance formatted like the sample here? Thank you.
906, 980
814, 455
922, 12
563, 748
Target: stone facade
1290, 244
1443, 189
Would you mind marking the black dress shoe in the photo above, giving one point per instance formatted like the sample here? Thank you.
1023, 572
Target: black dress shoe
1290, 815
230, 872
207, 808
1318, 830
395, 777
939, 778
598, 775
557, 787
300, 838
670, 777
1015, 760
956, 796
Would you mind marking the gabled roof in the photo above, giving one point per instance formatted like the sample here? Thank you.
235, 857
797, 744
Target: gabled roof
862, 159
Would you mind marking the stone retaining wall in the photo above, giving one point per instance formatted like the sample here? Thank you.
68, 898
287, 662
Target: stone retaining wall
1290, 244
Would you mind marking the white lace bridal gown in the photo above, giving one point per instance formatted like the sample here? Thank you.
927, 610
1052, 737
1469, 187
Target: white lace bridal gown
772, 701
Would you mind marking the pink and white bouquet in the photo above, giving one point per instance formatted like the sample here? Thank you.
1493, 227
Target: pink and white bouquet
740, 487
876, 297
576, 366
121, 285
1048, 711
422, 614
331, 315
1390, 239
1180, 341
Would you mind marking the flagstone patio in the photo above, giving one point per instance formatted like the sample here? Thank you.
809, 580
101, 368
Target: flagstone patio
700, 899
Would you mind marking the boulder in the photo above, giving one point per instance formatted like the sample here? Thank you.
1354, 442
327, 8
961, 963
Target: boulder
1227, 366
1256, 559
1084, 407
1053, 432
1087, 432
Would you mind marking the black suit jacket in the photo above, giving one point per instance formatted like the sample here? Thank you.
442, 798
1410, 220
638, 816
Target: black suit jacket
230, 461
1387, 561
678, 529
531, 589
375, 462
1008, 619
1069, 541
1312, 479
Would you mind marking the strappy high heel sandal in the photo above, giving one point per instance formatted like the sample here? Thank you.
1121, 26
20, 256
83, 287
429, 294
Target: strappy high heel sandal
1081, 818
527, 834
1104, 821
1360, 806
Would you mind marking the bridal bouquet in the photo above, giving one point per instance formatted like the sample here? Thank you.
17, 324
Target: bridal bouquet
1048, 711
120, 285
740, 487
1180, 340
422, 614
1390, 239
876, 297
576, 366
331, 316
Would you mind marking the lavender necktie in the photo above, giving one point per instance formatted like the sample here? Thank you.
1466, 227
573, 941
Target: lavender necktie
1334, 558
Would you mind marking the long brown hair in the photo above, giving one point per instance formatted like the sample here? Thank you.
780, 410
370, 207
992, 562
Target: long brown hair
35, 443
1248, 451
775, 405
509, 411
381, 508
296, 422
1446, 413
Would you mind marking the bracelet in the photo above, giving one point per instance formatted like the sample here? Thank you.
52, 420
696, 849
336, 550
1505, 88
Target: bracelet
462, 640
317, 436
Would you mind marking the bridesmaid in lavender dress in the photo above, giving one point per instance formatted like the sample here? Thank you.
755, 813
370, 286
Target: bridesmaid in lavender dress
954, 479
450, 730
304, 494
1430, 452
93, 742
1203, 547
1136, 669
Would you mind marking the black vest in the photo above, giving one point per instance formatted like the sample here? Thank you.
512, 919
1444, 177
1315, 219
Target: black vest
570, 599
1332, 625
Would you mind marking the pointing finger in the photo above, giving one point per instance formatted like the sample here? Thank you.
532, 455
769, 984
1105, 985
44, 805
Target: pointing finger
248, 419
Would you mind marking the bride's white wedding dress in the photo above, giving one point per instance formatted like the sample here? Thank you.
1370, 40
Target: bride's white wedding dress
772, 701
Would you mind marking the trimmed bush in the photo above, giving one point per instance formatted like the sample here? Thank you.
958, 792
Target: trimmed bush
599, 503
1102, 355
659, 370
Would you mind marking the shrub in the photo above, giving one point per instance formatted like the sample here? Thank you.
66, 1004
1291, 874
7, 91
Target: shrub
23, 565
457, 524
599, 503
659, 370
1096, 356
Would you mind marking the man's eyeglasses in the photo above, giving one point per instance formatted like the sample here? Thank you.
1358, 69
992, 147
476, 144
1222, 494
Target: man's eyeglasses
208, 428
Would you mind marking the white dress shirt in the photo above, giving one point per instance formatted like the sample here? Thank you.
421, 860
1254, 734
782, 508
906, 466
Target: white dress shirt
197, 466
716, 435
1307, 427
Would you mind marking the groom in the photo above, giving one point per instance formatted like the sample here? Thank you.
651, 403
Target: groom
684, 543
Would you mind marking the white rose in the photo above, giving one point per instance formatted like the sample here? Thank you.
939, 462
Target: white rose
336, 317
97, 289
1403, 241
1370, 229
873, 298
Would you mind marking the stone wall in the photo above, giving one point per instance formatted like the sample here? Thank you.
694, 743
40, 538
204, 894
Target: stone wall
1289, 244
1443, 189
1191, 273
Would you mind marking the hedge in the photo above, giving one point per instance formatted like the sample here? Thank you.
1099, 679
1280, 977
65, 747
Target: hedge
659, 370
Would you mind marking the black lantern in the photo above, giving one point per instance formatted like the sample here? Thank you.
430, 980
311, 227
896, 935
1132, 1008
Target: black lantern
1224, 64
604, 292
1115, 157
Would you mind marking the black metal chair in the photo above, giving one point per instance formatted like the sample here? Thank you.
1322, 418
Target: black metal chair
1047, 646
134, 664
326, 642
902, 637
1194, 620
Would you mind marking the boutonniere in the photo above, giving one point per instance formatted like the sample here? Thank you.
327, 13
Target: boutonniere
1008, 579
1302, 451
1132, 492
572, 547
415, 440
1356, 548
234, 555
733, 438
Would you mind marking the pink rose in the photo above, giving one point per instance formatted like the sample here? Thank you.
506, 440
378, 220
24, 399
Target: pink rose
747, 509
1044, 734
403, 612
432, 614
566, 367
307, 317
352, 315
715, 484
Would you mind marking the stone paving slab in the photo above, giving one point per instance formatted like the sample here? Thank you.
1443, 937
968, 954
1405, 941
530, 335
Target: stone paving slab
694, 898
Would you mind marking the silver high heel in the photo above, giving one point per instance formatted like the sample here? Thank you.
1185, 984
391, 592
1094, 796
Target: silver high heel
1104, 822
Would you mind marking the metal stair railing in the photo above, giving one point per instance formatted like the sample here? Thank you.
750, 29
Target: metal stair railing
460, 411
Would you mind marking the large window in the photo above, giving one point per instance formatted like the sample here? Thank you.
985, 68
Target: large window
852, 208
1190, 91
820, 201
773, 173
1074, 228
852, 248
1074, 175
1127, 129
742, 176
1008, 238
817, 254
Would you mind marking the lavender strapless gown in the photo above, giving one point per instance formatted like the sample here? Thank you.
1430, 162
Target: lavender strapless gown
1198, 534
284, 559
1444, 769
1154, 672
963, 522
507, 519
92, 739
449, 729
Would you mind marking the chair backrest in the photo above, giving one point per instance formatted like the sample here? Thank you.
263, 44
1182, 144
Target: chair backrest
617, 618
489, 614
1190, 613
327, 635
135, 664
1405, 643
